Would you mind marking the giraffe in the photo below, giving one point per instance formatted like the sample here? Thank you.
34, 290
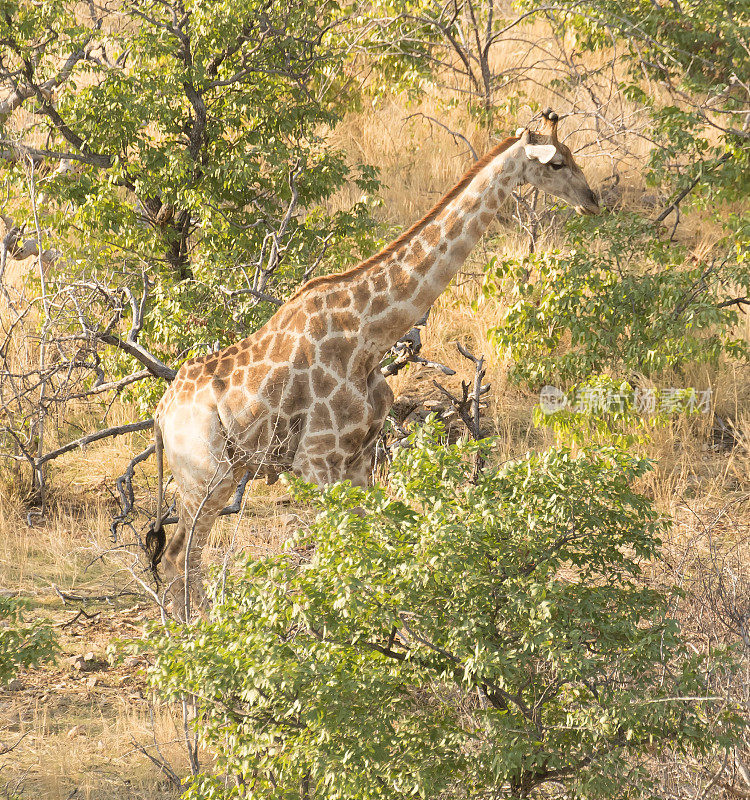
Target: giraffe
305, 393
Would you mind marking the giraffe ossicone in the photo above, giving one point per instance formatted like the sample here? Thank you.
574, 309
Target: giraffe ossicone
305, 393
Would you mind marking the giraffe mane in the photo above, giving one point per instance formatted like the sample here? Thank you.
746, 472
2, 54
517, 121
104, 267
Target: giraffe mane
468, 176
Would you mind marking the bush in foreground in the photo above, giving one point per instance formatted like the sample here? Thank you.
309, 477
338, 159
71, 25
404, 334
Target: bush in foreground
458, 639
22, 643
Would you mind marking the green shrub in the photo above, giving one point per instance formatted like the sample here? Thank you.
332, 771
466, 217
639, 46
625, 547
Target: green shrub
459, 639
22, 644
633, 304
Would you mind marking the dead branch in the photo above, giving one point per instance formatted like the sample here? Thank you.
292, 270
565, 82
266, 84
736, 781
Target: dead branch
124, 486
130, 343
9, 748
69, 597
735, 301
235, 507
675, 204
117, 430
232, 293
26, 90
160, 764
469, 405
455, 134
112, 386
80, 613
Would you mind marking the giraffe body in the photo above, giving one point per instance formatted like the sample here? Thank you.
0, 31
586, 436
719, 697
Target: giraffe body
305, 393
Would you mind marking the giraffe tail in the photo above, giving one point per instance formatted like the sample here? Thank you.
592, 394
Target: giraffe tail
156, 538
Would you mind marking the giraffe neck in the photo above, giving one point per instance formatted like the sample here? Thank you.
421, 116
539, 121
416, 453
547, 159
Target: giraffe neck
408, 276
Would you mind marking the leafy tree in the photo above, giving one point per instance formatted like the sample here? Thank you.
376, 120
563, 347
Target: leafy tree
22, 644
634, 303
190, 143
697, 53
463, 639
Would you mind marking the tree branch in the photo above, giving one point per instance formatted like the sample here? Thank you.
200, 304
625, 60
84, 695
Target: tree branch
118, 430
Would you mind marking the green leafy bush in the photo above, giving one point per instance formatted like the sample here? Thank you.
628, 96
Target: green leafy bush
635, 303
456, 639
22, 644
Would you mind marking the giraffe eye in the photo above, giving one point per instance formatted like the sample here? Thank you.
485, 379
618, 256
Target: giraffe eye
556, 166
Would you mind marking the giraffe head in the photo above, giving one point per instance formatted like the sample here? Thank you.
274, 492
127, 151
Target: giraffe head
548, 165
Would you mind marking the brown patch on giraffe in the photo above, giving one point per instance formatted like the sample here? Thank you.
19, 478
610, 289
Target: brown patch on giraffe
455, 229
210, 365
238, 377
280, 352
317, 326
482, 184
224, 368
334, 462
352, 440
417, 251
473, 205
219, 384
254, 375
380, 281
346, 321
278, 379
428, 262
320, 465
317, 441
346, 405
305, 353
243, 357
476, 228
297, 395
409, 286
396, 325
486, 217
379, 304
431, 235
235, 399
231, 350
336, 353
361, 294
460, 249
450, 219
320, 419
203, 379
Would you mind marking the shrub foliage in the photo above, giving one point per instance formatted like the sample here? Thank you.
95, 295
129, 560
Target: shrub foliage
478, 639
22, 644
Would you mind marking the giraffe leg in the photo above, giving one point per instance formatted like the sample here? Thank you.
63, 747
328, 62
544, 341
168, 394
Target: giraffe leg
183, 573
205, 480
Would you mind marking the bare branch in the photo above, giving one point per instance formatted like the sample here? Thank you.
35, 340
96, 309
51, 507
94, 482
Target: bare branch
117, 430
454, 134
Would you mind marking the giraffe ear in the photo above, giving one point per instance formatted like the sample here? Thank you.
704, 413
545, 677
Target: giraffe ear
543, 153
